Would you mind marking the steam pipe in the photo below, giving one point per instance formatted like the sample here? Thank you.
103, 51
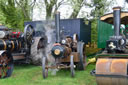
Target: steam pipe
57, 24
116, 15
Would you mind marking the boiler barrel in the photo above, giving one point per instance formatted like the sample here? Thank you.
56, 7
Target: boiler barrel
60, 51
10, 45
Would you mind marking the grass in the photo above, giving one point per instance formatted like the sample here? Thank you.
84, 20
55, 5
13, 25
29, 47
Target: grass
32, 75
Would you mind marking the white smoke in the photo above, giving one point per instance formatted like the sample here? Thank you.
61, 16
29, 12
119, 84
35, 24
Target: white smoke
50, 33
51, 36
45, 30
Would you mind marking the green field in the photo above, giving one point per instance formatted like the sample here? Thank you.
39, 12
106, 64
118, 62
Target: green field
32, 75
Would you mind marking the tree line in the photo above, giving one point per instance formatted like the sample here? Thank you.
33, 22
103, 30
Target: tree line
13, 13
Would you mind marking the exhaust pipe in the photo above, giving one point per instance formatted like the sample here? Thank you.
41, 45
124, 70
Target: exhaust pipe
116, 11
57, 24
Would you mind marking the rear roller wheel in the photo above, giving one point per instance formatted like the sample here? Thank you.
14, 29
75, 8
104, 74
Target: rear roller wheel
45, 70
6, 64
72, 66
36, 50
82, 57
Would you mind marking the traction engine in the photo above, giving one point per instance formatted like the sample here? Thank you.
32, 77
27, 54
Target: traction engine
67, 51
14, 46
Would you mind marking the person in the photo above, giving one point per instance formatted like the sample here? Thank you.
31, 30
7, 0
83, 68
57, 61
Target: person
125, 32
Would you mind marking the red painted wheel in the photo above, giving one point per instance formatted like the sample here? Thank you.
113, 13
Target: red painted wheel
6, 64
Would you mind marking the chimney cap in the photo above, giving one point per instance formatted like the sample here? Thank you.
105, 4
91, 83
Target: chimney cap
117, 8
57, 12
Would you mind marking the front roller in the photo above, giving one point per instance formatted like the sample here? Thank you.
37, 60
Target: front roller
6, 64
112, 71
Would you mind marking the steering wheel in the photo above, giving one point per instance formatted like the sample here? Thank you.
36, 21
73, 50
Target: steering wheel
28, 34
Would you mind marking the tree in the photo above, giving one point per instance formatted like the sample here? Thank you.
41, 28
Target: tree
15, 12
27, 7
76, 6
51, 7
100, 7
97, 7
10, 12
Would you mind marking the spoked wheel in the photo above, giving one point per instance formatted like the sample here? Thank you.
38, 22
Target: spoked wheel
72, 66
45, 70
6, 64
80, 50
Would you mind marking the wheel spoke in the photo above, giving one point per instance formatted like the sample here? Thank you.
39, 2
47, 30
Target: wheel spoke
4, 72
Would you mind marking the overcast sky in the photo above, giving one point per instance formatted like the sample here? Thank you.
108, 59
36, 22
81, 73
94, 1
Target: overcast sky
39, 13
120, 2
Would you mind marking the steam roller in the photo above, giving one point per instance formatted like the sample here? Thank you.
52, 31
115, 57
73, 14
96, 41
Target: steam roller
112, 63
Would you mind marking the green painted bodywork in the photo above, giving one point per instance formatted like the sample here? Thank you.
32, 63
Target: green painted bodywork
111, 55
105, 30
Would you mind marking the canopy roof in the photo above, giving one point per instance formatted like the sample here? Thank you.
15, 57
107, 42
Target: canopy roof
108, 18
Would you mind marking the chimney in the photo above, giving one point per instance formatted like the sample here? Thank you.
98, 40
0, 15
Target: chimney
116, 14
57, 24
